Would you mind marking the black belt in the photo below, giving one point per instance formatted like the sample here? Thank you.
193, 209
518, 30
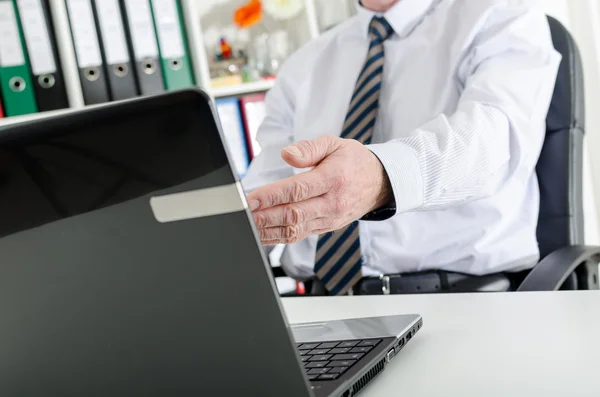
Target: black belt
427, 283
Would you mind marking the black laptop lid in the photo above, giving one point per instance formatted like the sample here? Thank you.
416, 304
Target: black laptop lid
99, 298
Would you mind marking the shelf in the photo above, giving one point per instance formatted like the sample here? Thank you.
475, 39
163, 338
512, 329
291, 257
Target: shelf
241, 89
34, 116
234, 90
6, 121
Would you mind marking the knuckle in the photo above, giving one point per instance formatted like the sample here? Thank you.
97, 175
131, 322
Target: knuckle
299, 191
272, 234
339, 181
260, 221
274, 197
293, 216
340, 206
264, 235
290, 233
293, 234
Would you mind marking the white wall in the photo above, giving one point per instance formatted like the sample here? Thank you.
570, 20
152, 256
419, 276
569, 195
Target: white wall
559, 9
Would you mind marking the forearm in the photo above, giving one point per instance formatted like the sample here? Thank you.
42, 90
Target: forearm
506, 83
448, 160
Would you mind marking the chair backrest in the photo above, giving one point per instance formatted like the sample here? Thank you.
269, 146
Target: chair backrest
560, 166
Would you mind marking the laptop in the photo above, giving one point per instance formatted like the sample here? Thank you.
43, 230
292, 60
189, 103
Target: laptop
130, 266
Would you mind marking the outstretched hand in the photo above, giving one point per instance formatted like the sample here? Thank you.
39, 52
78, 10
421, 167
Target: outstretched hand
346, 181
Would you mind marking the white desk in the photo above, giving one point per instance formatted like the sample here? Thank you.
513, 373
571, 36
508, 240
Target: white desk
484, 345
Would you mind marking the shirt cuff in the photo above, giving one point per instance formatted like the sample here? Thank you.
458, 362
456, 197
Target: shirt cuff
404, 173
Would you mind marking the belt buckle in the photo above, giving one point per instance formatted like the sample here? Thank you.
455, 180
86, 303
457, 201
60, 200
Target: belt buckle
385, 284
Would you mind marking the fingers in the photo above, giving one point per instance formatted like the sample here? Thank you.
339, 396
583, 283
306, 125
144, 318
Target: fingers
293, 234
305, 154
304, 186
270, 243
293, 214
291, 190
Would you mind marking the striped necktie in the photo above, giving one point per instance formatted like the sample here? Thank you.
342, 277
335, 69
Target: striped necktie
338, 263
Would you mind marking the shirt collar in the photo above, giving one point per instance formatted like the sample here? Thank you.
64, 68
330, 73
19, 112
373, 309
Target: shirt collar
404, 16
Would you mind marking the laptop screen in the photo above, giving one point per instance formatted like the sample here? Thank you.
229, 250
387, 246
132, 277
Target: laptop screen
57, 169
101, 296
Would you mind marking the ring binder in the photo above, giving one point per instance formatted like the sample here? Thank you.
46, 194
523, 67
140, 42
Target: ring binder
15, 81
143, 46
113, 44
87, 50
48, 83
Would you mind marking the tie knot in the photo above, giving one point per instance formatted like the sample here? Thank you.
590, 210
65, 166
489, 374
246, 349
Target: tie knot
380, 29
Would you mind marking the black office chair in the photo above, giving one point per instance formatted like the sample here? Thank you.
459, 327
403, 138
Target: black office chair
566, 263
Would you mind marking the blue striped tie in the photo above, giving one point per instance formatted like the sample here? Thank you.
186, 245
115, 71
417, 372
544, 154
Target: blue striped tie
338, 263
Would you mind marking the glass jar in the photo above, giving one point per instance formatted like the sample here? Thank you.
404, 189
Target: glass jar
260, 55
279, 50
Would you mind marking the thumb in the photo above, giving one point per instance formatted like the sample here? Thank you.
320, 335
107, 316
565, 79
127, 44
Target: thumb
305, 154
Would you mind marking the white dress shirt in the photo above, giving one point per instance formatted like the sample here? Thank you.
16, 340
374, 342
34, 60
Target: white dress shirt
467, 86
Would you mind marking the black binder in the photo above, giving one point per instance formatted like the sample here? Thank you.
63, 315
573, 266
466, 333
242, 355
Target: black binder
143, 45
87, 51
38, 29
115, 52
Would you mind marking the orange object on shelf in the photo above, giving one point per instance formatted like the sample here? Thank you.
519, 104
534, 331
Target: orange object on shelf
249, 14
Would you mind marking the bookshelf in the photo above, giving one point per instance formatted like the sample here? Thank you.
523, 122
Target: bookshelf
214, 20
241, 89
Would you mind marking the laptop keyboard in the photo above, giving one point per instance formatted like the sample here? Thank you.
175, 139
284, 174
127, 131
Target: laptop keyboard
329, 360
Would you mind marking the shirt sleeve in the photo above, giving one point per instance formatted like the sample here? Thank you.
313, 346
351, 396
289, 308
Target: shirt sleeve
507, 81
275, 133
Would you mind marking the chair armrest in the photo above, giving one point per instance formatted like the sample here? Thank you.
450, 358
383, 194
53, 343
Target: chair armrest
553, 270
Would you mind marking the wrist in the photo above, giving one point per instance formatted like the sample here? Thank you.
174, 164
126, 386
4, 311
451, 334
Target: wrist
384, 193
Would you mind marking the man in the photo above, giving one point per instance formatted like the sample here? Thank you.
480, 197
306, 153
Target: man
423, 119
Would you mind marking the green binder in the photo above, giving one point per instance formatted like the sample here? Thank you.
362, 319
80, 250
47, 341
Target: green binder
172, 44
15, 82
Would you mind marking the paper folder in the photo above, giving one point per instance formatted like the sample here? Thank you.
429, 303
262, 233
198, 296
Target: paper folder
15, 81
143, 45
48, 81
113, 44
172, 44
87, 51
